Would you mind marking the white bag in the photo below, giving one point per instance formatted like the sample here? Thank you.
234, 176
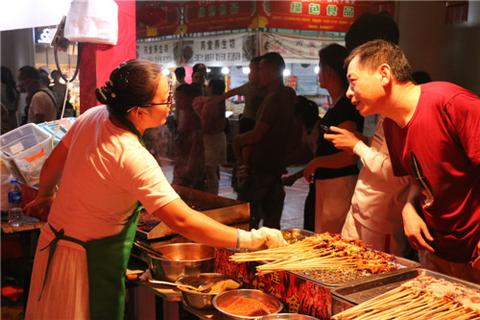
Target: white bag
93, 21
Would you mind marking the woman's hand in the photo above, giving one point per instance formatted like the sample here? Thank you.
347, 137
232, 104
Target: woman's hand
39, 207
415, 229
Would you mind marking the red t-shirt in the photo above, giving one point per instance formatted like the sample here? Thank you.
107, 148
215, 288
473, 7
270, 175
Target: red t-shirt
444, 136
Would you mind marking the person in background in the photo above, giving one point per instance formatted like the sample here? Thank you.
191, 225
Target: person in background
44, 77
179, 76
432, 135
83, 249
269, 145
253, 94
40, 103
59, 89
199, 76
420, 77
189, 164
334, 171
375, 215
9, 99
212, 117
306, 113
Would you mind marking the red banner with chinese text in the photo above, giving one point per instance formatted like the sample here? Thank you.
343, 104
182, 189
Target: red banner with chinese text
322, 15
205, 16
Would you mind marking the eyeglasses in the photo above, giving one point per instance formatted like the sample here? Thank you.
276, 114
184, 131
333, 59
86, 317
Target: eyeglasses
168, 103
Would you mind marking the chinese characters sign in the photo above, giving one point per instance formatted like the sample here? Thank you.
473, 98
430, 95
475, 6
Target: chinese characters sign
224, 50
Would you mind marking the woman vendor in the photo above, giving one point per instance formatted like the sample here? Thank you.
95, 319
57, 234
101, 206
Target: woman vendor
105, 174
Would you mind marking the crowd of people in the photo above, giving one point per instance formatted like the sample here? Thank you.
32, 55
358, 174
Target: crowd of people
404, 196
45, 95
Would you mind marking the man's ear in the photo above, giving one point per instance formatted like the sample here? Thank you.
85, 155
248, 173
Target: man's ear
386, 74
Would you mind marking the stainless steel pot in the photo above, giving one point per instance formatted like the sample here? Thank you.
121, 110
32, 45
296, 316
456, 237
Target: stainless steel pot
180, 259
228, 297
200, 300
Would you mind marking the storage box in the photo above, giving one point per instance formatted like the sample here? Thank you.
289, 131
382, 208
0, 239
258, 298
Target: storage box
26, 148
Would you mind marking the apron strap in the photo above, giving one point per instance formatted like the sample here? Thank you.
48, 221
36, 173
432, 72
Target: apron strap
52, 246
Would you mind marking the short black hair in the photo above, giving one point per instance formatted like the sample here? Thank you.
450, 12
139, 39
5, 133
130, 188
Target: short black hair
334, 56
217, 86
199, 67
275, 59
372, 26
29, 72
180, 72
256, 60
420, 77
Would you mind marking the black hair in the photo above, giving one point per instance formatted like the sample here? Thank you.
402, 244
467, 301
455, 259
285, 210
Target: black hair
180, 72
217, 86
420, 77
55, 73
307, 110
132, 84
372, 26
373, 53
256, 60
199, 67
44, 78
275, 59
9, 81
334, 56
29, 72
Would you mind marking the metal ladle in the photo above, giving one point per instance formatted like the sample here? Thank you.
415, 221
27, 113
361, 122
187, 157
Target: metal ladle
201, 288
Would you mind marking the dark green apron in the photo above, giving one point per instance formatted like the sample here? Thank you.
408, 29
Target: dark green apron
107, 260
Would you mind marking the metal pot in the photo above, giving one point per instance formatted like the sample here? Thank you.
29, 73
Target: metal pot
228, 296
200, 300
179, 259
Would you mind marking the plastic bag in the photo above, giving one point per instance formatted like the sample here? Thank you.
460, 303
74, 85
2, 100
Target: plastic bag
93, 21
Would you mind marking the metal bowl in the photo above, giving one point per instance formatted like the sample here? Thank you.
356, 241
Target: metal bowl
180, 259
200, 300
288, 316
227, 297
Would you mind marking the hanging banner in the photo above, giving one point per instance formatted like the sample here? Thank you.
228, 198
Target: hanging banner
294, 48
158, 18
321, 15
222, 50
206, 16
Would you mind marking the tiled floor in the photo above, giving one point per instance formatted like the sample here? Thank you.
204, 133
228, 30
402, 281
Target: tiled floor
292, 216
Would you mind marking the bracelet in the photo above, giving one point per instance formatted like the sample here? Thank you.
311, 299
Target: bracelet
238, 240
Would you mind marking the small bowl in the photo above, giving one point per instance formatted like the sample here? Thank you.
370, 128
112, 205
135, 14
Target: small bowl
224, 298
288, 316
200, 300
180, 259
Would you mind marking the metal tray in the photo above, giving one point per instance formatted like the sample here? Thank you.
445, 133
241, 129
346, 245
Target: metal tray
404, 265
349, 296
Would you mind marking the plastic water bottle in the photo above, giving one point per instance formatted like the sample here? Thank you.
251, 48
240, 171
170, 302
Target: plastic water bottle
14, 201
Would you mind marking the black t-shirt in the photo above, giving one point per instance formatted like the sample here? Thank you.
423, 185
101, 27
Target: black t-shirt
342, 111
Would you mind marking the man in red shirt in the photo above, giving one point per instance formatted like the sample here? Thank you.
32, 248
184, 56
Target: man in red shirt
432, 131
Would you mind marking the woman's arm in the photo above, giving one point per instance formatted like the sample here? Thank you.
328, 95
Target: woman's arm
49, 178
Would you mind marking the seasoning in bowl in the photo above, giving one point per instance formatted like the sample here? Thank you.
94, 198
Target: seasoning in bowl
249, 307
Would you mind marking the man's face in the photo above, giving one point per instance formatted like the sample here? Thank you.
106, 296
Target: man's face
266, 73
199, 78
365, 88
22, 83
253, 75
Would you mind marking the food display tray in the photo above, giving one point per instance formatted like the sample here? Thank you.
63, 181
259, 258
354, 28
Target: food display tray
353, 294
339, 278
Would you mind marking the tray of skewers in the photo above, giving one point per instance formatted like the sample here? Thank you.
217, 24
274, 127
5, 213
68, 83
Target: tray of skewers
328, 259
415, 295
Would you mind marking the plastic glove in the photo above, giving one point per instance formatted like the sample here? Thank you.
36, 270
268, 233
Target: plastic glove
261, 238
